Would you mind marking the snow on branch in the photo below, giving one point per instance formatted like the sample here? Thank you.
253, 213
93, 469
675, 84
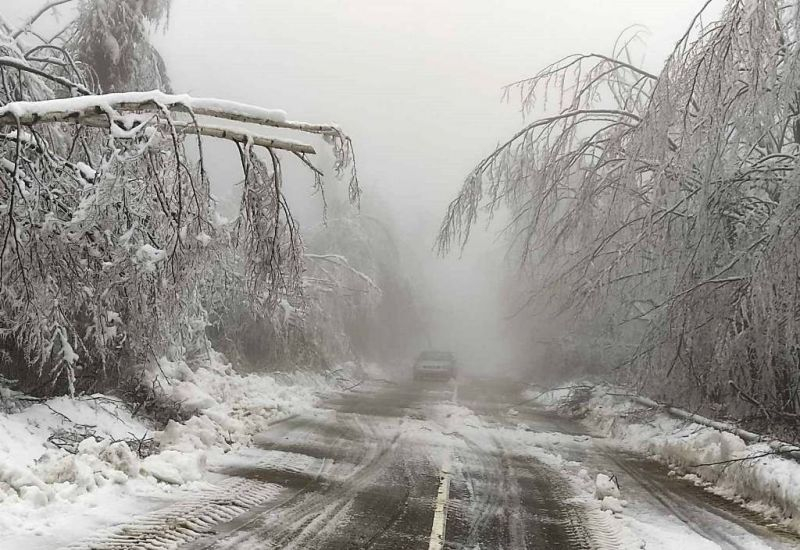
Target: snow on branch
104, 111
245, 138
343, 263
76, 108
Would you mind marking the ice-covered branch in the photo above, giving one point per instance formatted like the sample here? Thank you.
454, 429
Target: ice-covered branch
75, 108
102, 110
35, 17
342, 262
243, 137
547, 121
21, 65
236, 135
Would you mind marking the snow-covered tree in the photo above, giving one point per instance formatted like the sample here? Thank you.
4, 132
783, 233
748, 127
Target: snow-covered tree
370, 297
113, 37
112, 252
660, 211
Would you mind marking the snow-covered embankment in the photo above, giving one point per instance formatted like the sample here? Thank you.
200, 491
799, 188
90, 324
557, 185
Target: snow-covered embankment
70, 466
761, 475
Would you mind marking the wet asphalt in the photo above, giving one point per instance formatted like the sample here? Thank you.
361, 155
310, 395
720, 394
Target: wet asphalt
364, 471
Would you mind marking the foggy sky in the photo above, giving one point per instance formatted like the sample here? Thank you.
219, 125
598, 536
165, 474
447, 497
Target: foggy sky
416, 84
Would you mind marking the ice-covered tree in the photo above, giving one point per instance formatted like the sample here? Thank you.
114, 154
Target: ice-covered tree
113, 37
370, 298
112, 252
659, 212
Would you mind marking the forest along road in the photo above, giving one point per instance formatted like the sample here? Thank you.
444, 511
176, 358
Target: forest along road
430, 466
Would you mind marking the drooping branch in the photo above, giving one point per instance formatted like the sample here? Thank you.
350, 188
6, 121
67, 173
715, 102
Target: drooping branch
342, 262
20, 65
547, 121
528, 146
572, 60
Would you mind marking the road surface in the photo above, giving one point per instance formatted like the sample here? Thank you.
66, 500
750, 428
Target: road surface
467, 466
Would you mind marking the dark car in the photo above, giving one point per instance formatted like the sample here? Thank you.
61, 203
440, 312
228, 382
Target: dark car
435, 365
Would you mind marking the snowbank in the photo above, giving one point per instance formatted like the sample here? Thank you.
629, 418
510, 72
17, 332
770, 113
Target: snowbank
39, 480
68, 457
722, 462
29, 456
230, 408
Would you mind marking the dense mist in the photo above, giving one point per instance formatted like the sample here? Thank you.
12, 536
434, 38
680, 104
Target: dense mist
418, 87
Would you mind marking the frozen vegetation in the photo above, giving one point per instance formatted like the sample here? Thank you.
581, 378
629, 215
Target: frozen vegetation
654, 214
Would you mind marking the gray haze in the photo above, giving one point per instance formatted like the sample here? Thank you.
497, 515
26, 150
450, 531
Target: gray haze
417, 85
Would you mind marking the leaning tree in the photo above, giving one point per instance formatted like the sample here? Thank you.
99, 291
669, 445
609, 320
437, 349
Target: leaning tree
659, 213
112, 252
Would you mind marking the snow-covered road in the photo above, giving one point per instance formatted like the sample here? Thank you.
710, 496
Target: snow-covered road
444, 466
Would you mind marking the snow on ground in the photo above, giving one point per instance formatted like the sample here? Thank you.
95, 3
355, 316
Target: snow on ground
719, 461
50, 496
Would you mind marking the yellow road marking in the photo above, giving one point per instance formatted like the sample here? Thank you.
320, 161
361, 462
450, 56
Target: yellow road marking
440, 512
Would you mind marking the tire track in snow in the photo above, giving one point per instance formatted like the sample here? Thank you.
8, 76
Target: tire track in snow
185, 521
515, 502
399, 513
605, 531
356, 452
312, 521
708, 521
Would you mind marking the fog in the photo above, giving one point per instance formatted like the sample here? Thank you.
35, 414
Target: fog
417, 85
